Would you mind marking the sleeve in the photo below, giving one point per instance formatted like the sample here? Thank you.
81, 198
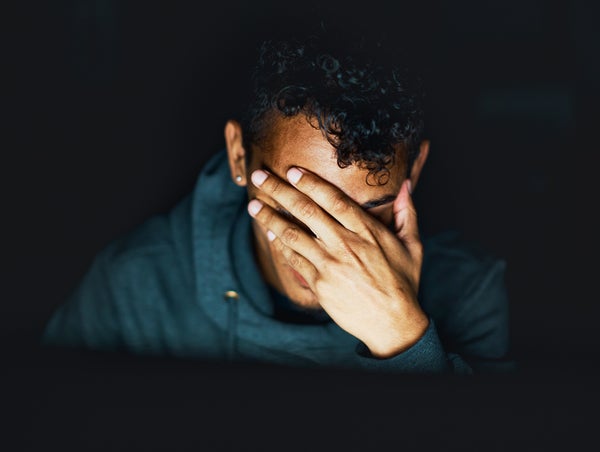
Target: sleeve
427, 355
475, 338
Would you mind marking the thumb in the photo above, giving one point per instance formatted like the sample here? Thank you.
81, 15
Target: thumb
405, 218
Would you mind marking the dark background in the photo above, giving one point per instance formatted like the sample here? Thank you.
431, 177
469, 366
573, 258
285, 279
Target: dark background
111, 109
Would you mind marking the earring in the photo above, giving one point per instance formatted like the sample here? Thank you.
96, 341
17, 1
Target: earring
238, 178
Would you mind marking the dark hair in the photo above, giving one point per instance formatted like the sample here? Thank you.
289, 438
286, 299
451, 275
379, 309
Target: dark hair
365, 107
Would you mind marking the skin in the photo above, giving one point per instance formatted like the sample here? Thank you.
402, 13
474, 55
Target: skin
329, 240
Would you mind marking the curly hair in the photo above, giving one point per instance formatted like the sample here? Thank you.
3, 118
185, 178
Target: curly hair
365, 108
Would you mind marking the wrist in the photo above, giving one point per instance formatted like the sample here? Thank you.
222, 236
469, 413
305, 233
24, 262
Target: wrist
404, 338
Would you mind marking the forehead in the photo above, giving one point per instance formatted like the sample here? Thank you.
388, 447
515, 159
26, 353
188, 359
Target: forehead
295, 141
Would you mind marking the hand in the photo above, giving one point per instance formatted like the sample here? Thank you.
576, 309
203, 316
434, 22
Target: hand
363, 275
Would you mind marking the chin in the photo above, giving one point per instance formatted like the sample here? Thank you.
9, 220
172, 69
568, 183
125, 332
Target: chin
300, 295
295, 290
307, 302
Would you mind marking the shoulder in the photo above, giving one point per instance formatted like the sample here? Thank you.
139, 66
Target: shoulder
155, 252
451, 259
157, 234
463, 289
164, 243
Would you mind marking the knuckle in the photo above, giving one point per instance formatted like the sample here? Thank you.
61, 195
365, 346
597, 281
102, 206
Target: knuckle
275, 186
279, 245
307, 208
309, 185
369, 235
290, 235
339, 203
294, 260
346, 251
268, 216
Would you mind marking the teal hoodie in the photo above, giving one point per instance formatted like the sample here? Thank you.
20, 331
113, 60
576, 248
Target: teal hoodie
186, 284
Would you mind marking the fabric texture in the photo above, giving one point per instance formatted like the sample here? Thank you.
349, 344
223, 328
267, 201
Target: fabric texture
166, 288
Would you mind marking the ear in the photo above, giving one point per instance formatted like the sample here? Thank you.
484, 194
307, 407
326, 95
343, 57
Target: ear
419, 162
235, 152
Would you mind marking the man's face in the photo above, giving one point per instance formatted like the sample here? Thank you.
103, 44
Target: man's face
295, 142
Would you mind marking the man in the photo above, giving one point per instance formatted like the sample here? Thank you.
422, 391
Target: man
299, 244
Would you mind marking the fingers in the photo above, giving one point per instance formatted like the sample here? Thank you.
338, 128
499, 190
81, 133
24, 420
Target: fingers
297, 204
331, 199
288, 233
405, 219
296, 261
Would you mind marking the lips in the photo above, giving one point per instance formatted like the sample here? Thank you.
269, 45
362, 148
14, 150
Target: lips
299, 278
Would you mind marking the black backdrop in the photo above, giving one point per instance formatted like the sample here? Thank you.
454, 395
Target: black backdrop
111, 110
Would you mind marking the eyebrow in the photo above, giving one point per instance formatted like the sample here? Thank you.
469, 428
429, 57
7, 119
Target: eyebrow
378, 202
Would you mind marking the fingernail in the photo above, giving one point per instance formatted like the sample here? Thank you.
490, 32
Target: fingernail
294, 175
258, 177
409, 186
270, 236
254, 207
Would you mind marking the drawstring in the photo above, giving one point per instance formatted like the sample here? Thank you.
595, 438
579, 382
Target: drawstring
232, 299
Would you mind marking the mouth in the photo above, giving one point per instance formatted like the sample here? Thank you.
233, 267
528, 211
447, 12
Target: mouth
299, 278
